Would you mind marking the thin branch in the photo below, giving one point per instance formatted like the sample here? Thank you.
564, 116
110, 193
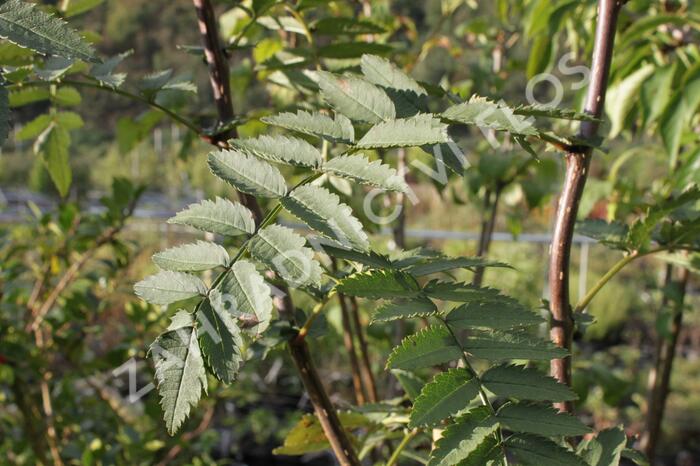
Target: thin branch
219, 78
349, 343
47, 407
577, 164
365, 364
660, 376
491, 200
394, 459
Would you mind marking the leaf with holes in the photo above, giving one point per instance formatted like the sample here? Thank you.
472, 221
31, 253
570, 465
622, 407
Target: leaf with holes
419, 130
322, 126
283, 250
323, 211
193, 257
358, 168
180, 373
280, 149
219, 216
356, 98
447, 394
168, 287
247, 174
429, 347
525, 383
249, 295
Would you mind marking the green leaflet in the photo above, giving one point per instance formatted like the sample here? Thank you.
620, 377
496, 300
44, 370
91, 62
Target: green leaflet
283, 250
419, 130
613, 234
447, 394
525, 383
219, 216
358, 168
27, 26
356, 98
307, 435
410, 382
247, 173
408, 96
248, 294
493, 312
219, 338
167, 287
370, 259
280, 149
180, 371
539, 419
334, 26
322, 126
533, 450
193, 257
487, 114
379, 284
442, 264
538, 110
458, 292
428, 347
463, 438
497, 346
404, 309
382, 72
323, 211
52, 144
623, 96
605, 449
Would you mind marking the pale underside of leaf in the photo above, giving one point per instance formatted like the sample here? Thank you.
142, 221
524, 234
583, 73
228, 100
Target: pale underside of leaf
419, 130
281, 149
319, 125
167, 287
283, 250
192, 257
356, 98
250, 295
179, 370
220, 339
247, 174
323, 211
358, 168
219, 216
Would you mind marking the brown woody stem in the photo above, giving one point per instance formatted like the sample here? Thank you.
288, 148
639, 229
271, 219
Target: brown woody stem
577, 164
488, 224
219, 77
660, 375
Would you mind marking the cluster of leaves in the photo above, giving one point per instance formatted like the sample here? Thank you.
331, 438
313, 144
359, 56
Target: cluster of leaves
384, 108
